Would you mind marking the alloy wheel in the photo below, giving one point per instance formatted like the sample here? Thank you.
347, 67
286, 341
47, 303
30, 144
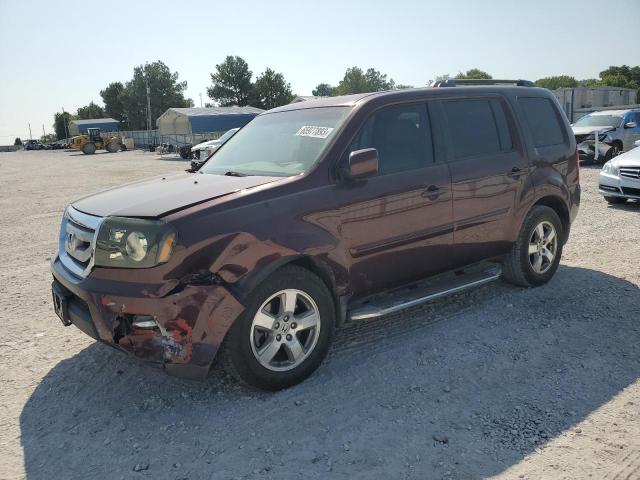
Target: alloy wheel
285, 330
543, 246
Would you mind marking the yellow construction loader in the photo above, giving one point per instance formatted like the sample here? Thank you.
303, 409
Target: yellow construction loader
93, 140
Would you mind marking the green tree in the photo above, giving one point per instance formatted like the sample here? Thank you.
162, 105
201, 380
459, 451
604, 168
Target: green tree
473, 74
90, 111
322, 90
355, 80
617, 80
558, 81
48, 138
400, 86
61, 124
623, 76
231, 82
589, 82
165, 92
17, 141
439, 78
271, 90
112, 99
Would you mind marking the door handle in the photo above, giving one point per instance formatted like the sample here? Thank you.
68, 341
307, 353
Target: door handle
432, 192
515, 172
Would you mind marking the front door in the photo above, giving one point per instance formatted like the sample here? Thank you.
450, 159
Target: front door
397, 225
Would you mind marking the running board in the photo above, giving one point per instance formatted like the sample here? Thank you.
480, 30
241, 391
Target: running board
421, 293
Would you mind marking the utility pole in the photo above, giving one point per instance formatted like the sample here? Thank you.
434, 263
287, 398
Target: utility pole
30, 136
146, 82
148, 108
200, 99
43, 132
64, 122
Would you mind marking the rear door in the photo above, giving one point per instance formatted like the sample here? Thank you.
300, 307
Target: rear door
488, 171
397, 226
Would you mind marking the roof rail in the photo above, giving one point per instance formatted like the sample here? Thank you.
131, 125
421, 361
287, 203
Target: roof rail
452, 82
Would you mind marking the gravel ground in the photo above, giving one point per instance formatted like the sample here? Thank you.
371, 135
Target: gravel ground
500, 382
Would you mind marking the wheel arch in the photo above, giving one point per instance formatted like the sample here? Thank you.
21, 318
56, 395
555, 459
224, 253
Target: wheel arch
558, 205
314, 265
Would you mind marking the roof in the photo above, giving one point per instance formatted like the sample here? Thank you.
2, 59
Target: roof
305, 98
409, 93
93, 121
208, 111
340, 101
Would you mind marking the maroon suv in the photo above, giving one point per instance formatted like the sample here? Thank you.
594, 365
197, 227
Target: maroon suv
316, 214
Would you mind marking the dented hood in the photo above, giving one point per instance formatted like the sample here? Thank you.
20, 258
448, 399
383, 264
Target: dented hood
158, 196
590, 130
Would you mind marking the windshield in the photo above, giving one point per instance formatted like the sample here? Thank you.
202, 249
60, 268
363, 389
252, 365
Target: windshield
599, 121
278, 144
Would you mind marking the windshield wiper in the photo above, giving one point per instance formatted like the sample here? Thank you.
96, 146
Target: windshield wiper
231, 173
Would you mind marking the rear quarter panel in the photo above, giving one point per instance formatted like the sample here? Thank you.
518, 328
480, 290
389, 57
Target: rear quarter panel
554, 168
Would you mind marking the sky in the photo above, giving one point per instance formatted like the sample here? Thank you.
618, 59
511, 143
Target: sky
61, 54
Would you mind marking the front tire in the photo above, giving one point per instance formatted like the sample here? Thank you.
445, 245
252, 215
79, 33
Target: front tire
89, 148
284, 333
535, 256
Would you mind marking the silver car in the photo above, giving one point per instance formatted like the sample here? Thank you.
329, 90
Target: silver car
620, 177
204, 149
616, 130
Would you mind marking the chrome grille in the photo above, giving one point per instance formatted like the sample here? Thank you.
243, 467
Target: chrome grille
77, 241
630, 172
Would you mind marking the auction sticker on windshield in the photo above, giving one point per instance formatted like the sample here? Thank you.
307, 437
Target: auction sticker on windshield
315, 132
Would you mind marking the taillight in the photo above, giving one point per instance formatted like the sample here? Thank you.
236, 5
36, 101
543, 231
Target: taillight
577, 166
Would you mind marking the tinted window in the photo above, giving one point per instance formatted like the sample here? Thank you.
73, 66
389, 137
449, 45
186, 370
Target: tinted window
402, 136
473, 128
542, 120
504, 133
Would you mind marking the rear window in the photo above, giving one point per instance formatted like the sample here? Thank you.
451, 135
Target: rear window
477, 127
542, 119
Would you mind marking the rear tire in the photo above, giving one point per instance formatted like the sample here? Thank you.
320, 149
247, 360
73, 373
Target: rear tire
535, 256
615, 200
292, 342
89, 148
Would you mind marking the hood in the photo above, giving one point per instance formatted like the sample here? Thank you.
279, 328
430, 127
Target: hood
590, 130
628, 159
157, 196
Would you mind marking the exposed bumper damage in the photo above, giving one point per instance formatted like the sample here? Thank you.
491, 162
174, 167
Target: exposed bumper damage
178, 326
594, 147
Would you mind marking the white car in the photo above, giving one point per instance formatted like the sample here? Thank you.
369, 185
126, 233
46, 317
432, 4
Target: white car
620, 177
204, 149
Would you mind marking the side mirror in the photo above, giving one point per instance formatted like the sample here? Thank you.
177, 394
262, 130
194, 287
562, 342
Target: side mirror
362, 164
630, 125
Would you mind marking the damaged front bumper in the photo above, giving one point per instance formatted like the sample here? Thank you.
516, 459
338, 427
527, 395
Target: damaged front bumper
591, 151
178, 326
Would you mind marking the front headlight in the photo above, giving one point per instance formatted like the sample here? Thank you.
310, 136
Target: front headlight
133, 243
610, 168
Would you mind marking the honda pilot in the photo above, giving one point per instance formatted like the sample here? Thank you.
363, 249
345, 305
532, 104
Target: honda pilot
316, 214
